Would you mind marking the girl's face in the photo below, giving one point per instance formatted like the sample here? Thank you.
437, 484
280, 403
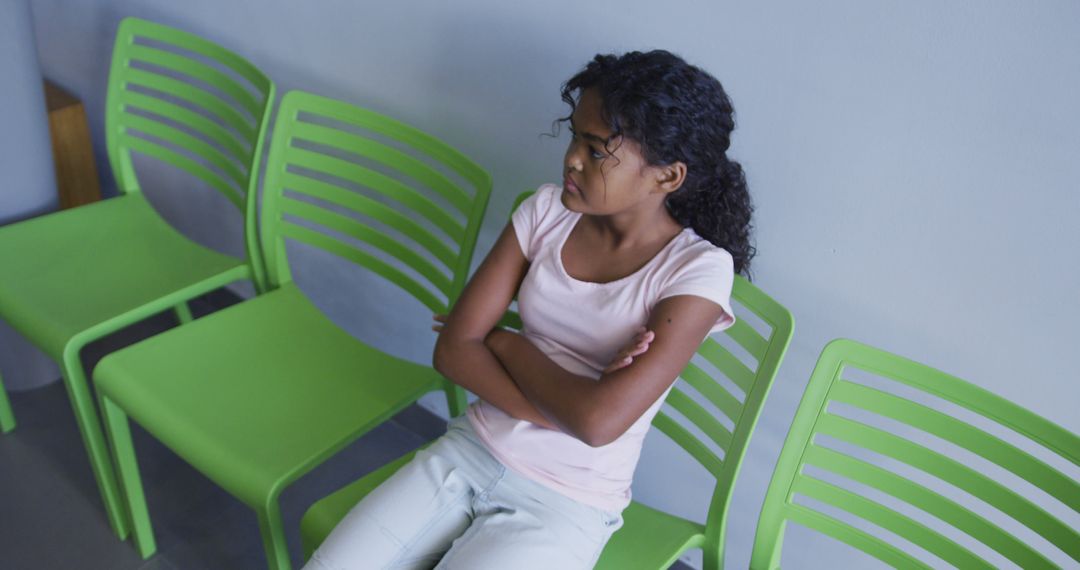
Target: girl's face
603, 175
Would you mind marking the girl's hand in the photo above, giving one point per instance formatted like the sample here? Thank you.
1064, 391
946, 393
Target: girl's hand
440, 323
637, 346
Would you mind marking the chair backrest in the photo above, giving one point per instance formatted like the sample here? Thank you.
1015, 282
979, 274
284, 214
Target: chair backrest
909, 464
192, 104
738, 397
376, 192
721, 393
339, 177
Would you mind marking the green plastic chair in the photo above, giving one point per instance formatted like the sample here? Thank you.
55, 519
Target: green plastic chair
651, 538
840, 406
75, 276
256, 395
7, 417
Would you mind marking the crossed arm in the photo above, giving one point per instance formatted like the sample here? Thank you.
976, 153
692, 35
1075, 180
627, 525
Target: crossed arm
508, 371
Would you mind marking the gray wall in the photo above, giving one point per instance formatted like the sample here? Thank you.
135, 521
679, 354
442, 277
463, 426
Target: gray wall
26, 161
30, 183
914, 164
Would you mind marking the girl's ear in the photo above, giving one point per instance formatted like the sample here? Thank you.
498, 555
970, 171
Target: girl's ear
670, 177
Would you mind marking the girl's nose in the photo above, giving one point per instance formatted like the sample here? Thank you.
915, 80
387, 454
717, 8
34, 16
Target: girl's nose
573, 163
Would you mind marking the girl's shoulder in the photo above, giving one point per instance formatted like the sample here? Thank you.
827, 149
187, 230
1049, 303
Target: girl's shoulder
547, 198
541, 219
697, 267
692, 249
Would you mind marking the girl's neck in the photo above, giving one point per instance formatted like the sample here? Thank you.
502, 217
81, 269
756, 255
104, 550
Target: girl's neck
633, 228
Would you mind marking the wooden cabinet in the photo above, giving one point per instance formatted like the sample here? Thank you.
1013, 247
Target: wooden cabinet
73, 155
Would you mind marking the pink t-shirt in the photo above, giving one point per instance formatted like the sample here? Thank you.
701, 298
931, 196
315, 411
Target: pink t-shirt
581, 325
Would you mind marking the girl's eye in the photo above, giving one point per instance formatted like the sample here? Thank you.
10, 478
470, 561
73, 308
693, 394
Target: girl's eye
595, 154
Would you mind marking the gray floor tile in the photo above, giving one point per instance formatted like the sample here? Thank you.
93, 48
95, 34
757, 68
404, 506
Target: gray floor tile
52, 516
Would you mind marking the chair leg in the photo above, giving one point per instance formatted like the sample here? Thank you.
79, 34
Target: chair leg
713, 550
117, 428
273, 535
456, 401
7, 417
93, 440
183, 313
712, 559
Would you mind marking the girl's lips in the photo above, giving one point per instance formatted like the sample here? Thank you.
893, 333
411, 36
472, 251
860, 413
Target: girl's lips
569, 186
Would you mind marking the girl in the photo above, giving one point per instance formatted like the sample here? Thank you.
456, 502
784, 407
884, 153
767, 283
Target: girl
645, 235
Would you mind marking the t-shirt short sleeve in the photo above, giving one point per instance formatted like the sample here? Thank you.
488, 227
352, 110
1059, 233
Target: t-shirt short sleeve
709, 274
532, 217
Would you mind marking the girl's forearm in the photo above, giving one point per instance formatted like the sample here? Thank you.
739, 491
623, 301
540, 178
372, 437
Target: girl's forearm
471, 365
566, 398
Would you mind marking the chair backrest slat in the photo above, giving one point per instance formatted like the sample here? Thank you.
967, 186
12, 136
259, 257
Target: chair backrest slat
360, 204
890, 520
364, 259
929, 501
728, 364
236, 146
411, 137
409, 197
870, 429
357, 230
748, 338
194, 146
198, 71
188, 95
195, 97
698, 416
931, 421
846, 533
713, 391
689, 443
196, 45
367, 189
194, 105
948, 470
387, 156
165, 154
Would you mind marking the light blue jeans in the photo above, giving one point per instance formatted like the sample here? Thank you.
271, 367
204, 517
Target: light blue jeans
455, 506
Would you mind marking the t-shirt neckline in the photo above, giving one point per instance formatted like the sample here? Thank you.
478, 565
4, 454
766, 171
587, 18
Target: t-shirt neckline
574, 220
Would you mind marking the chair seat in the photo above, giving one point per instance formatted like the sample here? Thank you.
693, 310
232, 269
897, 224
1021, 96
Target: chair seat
648, 539
66, 272
254, 395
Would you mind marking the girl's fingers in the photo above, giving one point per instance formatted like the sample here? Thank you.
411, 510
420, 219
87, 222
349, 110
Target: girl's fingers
639, 345
633, 350
619, 363
441, 320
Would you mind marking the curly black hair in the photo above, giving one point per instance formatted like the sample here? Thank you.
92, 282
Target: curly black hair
677, 113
